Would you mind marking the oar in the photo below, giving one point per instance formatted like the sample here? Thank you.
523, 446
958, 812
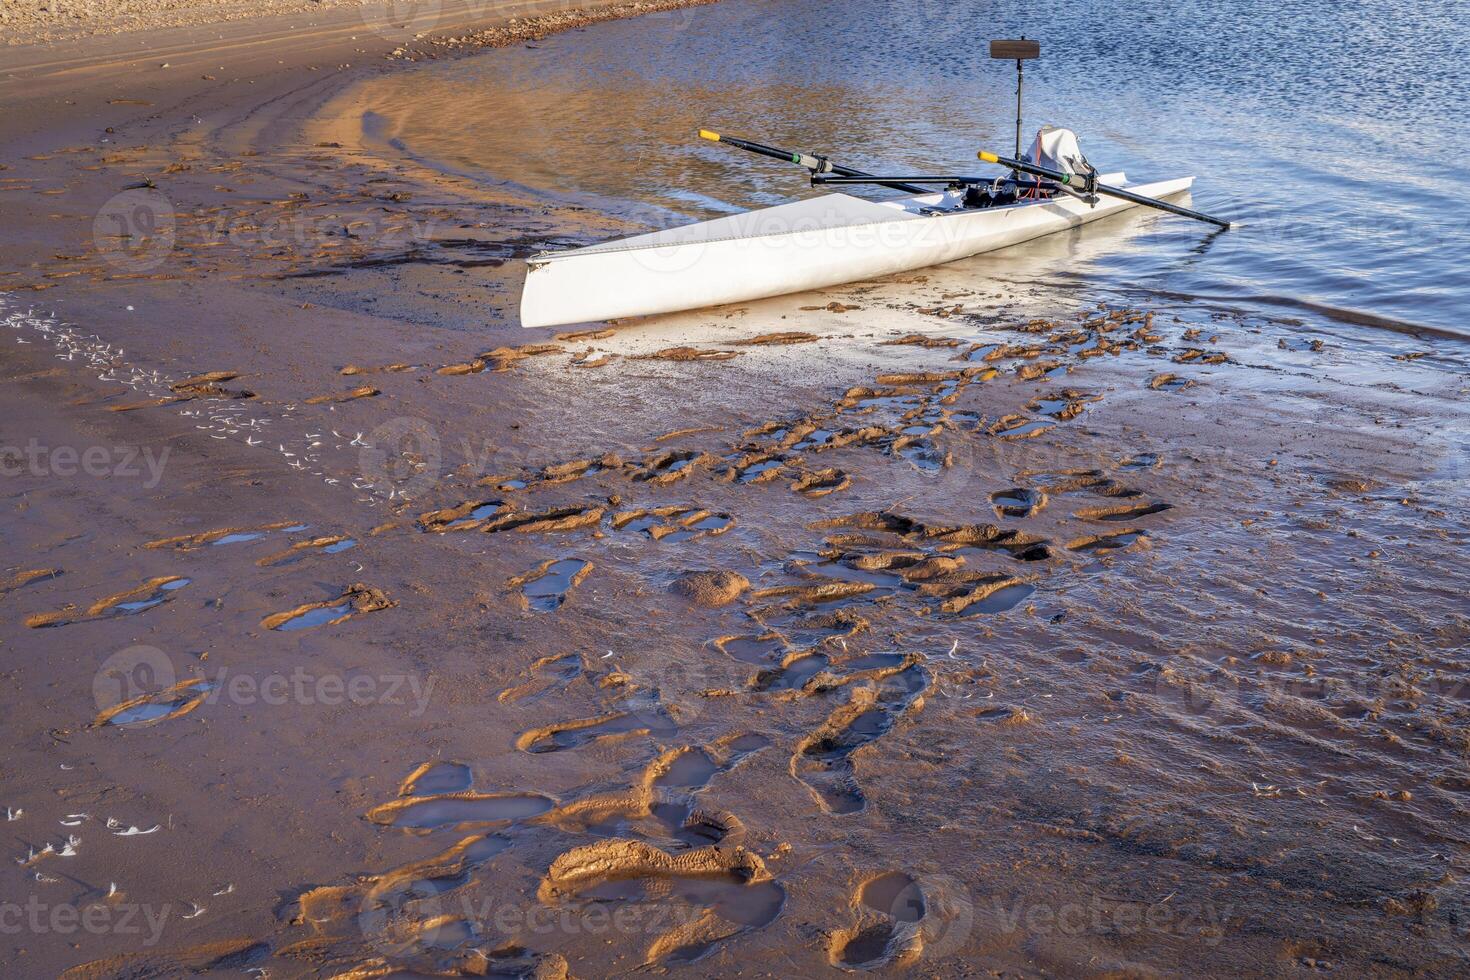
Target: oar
1087, 184
816, 164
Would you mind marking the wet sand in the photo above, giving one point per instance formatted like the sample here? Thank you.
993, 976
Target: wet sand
351, 629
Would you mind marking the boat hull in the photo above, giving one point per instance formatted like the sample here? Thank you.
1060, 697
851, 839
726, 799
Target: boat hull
789, 249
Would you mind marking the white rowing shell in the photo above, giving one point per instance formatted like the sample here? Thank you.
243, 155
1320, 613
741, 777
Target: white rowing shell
792, 248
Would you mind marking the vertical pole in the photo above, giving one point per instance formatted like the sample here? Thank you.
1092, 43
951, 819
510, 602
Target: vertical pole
1020, 72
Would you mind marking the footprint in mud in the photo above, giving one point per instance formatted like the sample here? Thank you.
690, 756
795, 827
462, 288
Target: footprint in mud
1121, 512
921, 453
166, 705
223, 536
432, 778
574, 734
468, 516
674, 524
795, 671
549, 674
819, 483
154, 592
491, 516
1140, 461
670, 467
23, 578
984, 352
356, 598
806, 596
1020, 427
763, 649
465, 808
556, 473
545, 588
1017, 502
1108, 542
1064, 406
1081, 481
335, 397
889, 909
691, 769
711, 893
328, 544
823, 760
1168, 382
755, 468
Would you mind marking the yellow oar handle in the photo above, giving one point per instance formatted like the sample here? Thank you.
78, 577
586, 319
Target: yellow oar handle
705, 134
988, 157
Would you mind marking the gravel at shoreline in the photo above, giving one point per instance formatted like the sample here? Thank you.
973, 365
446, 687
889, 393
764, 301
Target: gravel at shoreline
24, 22
49, 21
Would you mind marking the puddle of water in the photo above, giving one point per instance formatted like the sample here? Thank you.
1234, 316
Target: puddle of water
643, 524
1050, 406
894, 402
342, 545
238, 537
1132, 513
158, 598
448, 935
486, 848
873, 661
574, 737
549, 591
141, 712
480, 513
1017, 502
797, 673
449, 812
1111, 542
895, 894
884, 580
713, 524
981, 353
923, 456
1002, 599
753, 472
296, 527
445, 777
155, 710
316, 617
866, 726
1026, 429
745, 744
818, 438
692, 770
758, 650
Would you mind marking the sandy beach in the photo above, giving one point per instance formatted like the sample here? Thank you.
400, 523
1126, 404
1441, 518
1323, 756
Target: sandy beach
913, 627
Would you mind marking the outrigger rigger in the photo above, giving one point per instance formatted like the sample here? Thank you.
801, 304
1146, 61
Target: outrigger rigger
836, 238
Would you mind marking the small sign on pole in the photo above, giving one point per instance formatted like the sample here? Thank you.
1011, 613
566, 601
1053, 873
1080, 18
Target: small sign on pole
1019, 50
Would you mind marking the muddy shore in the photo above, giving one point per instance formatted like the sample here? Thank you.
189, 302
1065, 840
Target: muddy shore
351, 630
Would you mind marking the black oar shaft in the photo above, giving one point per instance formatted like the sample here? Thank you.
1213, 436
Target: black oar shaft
872, 179
1061, 178
814, 163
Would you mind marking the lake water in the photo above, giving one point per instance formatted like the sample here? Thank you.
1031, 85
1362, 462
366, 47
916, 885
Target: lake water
1334, 133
